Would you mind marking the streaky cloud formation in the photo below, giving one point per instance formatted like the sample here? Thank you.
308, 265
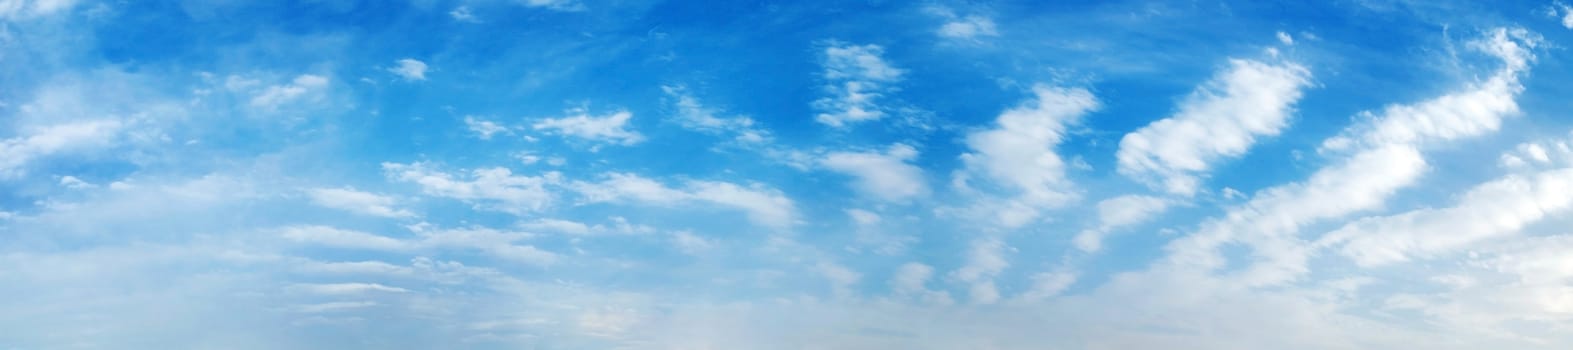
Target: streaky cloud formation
1221, 120
548, 174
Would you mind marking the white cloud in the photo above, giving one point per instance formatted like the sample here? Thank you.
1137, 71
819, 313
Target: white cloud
558, 5
1566, 16
357, 202
863, 217
620, 186
885, 176
344, 288
841, 278
608, 128
410, 69
483, 129
490, 188
493, 242
694, 116
1385, 159
1221, 119
969, 27
764, 206
619, 226
306, 86
1539, 154
557, 225
1119, 212
985, 260
608, 322
1494, 209
24, 9
1018, 153
497, 243
857, 75
74, 183
1514, 290
1475, 111
1270, 221
341, 238
911, 281
17, 152
690, 243
1285, 38
1048, 284
462, 14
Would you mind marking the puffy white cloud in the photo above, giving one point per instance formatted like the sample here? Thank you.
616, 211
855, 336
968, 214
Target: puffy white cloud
863, 217
885, 176
17, 152
962, 27
357, 202
621, 186
74, 183
1047, 285
690, 243
1566, 16
1018, 153
1221, 119
1497, 208
558, 5
1539, 154
911, 281
490, 188
483, 129
763, 205
1119, 212
969, 27
1285, 38
306, 86
23, 9
463, 14
841, 278
410, 69
857, 75
1476, 110
607, 128
695, 116
985, 260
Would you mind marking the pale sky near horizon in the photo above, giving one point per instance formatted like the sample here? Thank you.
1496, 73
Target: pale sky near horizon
639, 174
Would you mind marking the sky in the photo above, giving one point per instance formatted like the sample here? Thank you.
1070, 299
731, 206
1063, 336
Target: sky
640, 174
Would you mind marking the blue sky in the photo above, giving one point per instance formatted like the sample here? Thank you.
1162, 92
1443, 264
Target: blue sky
582, 174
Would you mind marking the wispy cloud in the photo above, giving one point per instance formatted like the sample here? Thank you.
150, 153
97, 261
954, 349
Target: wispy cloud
610, 128
857, 76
